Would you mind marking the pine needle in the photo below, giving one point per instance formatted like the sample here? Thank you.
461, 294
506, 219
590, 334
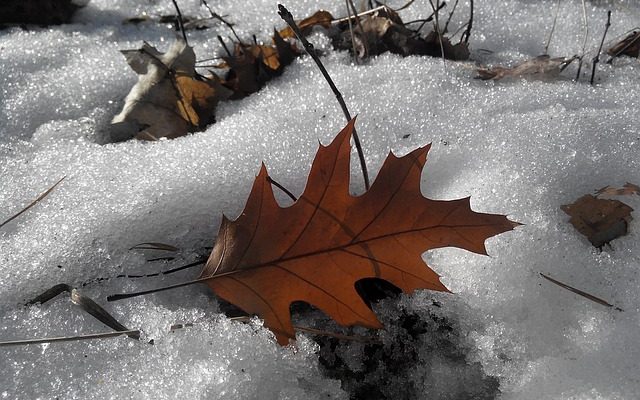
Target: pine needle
33, 203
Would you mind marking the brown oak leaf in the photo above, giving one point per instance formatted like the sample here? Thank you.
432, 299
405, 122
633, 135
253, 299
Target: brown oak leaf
318, 248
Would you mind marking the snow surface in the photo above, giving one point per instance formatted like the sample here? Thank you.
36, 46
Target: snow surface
518, 147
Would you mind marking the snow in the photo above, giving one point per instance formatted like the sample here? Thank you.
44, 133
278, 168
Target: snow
519, 147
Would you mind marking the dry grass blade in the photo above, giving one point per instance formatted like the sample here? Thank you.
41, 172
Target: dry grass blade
86, 304
102, 335
166, 272
362, 14
553, 28
580, 292
33, 203
154, 246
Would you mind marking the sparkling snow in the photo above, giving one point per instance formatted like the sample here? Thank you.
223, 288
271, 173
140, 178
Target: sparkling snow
518, 147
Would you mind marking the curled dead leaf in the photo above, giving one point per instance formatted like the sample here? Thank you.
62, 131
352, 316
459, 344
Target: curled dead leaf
169, 99
538, 67
600, 220
629, 46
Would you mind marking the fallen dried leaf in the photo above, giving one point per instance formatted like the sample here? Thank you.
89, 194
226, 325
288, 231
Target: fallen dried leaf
627, 189
629, 46
599, 220
318, 248
169, 99
319, 18
251, 66
538, 67
384, 31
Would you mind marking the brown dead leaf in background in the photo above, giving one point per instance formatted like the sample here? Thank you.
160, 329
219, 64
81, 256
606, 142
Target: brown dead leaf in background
538, 67
169, 99
318, 248
629, 46
251, 66
319, 18
627, 189
384, 31
600, 220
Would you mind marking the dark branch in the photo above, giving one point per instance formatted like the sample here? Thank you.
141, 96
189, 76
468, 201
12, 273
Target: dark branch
596, 59
288, 18
180, 22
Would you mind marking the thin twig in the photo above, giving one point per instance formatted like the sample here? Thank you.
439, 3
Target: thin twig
406, 5
288, 18
353, 38
362, 14
154, 246
208, 59
355, 13
167, 272
584, 42
596, 59
553, 27
169, 258
219, 18
428, 19
33, 203
467, 32
224, 46
122, 296
103, 335
180, 23
436, 28
453, 9
284, 189
580, 292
